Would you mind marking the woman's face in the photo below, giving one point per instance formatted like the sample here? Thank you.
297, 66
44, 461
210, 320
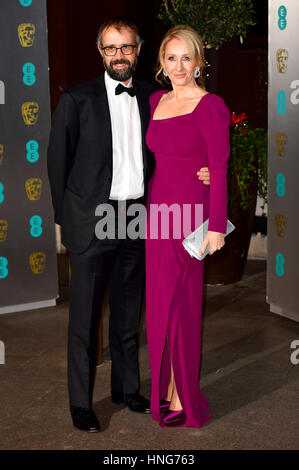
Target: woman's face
178, 63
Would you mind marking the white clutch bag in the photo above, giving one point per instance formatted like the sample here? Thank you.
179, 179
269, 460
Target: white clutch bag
194, 241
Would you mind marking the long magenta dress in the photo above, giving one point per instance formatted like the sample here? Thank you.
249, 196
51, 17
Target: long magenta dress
174, 280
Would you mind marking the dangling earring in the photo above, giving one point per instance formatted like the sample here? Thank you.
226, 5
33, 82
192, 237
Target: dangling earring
197, 72
165, 73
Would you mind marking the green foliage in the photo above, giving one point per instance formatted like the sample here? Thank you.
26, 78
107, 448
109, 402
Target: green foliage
247, 164
217, 21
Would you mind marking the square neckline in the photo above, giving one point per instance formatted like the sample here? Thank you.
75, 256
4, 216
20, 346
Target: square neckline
179, 115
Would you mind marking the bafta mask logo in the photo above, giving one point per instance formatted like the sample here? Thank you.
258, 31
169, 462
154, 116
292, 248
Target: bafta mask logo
282, 56
3, 230
34, 188
26, 32
280, 224
1, 154
281, 144
30, 112
37, 262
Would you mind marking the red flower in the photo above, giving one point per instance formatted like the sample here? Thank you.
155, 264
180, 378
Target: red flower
238, 118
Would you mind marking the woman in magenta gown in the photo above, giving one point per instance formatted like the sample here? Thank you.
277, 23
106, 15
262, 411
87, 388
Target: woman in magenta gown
189, 129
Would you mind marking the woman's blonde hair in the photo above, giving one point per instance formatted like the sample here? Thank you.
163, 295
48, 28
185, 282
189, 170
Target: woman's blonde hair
190, 37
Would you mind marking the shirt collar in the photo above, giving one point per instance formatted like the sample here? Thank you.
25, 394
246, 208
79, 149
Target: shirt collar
112, 84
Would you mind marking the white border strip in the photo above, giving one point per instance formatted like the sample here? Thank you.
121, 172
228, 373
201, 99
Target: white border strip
29, 306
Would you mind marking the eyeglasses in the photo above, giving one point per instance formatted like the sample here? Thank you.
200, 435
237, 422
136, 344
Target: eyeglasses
126, 49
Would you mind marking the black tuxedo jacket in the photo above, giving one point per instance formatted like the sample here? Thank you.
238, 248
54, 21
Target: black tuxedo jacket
80, 157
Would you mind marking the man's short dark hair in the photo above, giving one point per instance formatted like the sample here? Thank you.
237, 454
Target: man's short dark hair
118, 22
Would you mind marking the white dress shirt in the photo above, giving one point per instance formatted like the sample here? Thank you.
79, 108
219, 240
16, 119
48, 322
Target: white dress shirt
127, 179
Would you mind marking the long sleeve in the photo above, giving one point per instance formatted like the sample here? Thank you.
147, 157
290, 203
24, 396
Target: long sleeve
61, 150
216, 133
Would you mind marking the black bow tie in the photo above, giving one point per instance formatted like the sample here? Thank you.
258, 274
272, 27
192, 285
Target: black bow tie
120, 89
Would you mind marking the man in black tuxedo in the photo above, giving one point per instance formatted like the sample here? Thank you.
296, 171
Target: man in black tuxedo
97, 154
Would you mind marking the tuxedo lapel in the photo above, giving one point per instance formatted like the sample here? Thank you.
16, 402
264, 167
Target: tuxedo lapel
104, 118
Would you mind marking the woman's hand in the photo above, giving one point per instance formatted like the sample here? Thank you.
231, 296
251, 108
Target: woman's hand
215, 240
204, 175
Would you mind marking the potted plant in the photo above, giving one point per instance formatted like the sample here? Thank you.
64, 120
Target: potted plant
216, 21
247, 179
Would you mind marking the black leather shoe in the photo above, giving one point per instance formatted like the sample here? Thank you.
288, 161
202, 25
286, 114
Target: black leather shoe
85, 419
134, 401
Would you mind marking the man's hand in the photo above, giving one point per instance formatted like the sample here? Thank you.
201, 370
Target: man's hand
215, 240
204, 175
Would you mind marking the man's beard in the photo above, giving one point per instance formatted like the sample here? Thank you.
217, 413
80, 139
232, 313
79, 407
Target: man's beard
120, 75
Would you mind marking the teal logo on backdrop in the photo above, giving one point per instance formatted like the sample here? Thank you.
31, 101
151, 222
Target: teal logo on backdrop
281, 102
36, 226
25, 3
282, 21
1, 193
29, 77
3, 267
280, 184
32, 151
279, 267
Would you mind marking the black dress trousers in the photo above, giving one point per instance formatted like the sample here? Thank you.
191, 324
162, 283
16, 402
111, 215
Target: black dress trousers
118, 264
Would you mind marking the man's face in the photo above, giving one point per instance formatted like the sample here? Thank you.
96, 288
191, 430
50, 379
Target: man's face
120, 67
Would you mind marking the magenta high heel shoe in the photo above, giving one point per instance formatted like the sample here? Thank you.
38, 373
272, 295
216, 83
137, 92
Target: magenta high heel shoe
164, 404
174, 418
